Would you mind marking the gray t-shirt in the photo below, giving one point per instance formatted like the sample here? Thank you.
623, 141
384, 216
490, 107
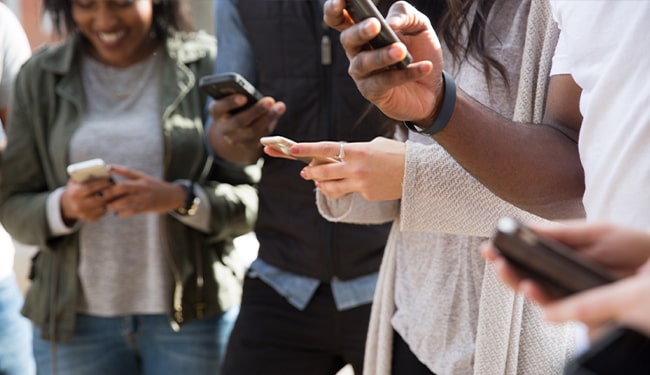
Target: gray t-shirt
122, 267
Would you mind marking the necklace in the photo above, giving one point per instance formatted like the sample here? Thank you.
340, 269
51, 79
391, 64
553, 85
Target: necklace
123, 83
114, 85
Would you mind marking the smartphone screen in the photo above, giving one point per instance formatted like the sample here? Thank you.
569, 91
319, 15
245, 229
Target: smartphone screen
360, 10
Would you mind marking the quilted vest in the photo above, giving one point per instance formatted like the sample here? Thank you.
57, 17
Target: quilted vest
299, 61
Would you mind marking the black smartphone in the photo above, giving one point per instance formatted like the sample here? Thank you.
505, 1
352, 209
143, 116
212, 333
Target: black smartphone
221, 85
360, 10
558, 268
620, 351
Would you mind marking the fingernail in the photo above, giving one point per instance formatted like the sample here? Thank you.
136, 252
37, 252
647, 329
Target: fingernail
396, 52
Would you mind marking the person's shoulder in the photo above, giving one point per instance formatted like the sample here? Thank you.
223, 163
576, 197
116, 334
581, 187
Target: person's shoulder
191, 46
51, 56
7, 16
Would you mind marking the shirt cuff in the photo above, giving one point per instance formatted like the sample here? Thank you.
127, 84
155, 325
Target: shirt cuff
201, 219
54, 218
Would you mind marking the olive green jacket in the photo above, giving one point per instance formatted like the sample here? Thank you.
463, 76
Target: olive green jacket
49, 100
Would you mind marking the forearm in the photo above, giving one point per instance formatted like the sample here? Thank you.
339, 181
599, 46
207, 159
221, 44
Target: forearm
534, 167
440, 196
233, 210
23, 217
237, 153
232, 193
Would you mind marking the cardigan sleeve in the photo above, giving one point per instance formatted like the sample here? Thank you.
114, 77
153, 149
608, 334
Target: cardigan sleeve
353, 208
440, 196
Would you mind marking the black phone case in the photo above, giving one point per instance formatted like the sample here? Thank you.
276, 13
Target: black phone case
360, 10
559, 269
221, 85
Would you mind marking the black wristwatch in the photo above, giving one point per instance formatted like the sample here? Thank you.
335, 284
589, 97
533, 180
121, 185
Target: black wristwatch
191, 200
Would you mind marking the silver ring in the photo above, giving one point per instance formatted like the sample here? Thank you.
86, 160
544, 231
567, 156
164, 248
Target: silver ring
341, 154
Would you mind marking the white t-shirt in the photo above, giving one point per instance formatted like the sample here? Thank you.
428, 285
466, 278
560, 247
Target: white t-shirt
14, 50
605, 46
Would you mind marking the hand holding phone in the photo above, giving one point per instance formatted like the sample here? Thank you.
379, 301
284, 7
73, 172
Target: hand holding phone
360, 10
560, 270
218, 86
283, 144
88, 170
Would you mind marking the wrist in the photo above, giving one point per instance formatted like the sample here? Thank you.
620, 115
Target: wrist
240, 154
190, 202
442, 114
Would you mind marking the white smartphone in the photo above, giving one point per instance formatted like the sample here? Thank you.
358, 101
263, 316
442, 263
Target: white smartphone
87, 170
283, 144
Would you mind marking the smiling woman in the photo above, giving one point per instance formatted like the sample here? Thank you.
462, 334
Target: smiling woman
139, 264
118, 31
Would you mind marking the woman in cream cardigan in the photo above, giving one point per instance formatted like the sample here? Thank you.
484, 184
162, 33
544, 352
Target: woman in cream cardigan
438, 307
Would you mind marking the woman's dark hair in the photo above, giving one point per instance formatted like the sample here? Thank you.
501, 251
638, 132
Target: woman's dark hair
451, 18
168, 15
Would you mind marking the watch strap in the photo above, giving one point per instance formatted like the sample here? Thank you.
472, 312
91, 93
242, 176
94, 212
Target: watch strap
446, 109
191, 203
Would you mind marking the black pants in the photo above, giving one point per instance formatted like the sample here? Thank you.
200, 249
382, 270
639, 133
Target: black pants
404, 361
273, 337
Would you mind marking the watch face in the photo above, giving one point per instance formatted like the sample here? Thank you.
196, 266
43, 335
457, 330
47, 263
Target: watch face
194, 206
192, 202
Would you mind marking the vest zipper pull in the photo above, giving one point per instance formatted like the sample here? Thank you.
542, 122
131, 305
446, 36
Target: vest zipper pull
325, 50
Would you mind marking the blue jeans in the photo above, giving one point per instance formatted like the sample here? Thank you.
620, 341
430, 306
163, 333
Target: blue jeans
15, 331
138, 344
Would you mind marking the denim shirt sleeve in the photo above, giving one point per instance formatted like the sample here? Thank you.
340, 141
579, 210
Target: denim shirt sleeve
235, 53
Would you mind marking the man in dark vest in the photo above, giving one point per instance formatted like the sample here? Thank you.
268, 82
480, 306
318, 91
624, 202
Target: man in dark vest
307, 297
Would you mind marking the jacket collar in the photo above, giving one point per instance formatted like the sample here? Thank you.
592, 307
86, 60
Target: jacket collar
63, 59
